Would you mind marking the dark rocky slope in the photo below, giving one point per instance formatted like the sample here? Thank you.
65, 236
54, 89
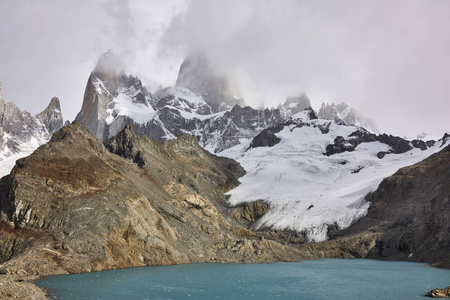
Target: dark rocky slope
408, 218
76, 205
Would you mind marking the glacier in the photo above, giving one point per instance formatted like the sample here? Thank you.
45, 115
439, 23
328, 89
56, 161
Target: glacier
308, 191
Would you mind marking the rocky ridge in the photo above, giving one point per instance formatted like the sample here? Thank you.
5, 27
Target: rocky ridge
21, 133
293, 105
348, 114
76, 205
113, 99
202, 103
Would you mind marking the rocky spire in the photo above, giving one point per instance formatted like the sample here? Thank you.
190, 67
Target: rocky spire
52, 117
100, 90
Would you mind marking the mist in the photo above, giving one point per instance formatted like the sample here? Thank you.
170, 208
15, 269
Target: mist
388, 59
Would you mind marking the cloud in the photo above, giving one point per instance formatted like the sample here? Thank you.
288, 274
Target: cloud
385, 58
48, 48
389, 59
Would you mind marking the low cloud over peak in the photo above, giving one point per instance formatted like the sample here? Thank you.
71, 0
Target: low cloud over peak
389, 59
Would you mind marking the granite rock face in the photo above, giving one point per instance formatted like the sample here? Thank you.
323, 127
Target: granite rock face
77, 205
239, 123
52, 117
107, 83
112, 100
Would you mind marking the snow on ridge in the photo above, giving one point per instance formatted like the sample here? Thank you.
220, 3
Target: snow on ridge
184, 93
100, 86
8, 158
307, 190
182, 99
123, 105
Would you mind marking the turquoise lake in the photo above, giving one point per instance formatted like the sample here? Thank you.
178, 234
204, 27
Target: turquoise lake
323, 279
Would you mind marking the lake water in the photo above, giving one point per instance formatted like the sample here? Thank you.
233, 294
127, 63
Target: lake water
323, 279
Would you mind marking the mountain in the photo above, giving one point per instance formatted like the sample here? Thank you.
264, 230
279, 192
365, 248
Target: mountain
21, 133
314, 173
216, 89
77, 205
52, 117
293, 105
348, 114
113, 99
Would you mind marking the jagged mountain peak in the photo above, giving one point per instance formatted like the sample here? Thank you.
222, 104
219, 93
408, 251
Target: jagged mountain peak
348, 114
197, 75
294, 104
52, 117
112, 96
21, 133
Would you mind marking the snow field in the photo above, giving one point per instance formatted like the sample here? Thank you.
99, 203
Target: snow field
307, 190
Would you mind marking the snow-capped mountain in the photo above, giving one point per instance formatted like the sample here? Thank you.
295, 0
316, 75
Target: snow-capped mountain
347, 114
113, 99
315, 173
293, 105
21, 133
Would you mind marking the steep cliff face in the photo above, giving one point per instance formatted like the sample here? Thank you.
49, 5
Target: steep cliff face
110, 97
81, 206
412, 207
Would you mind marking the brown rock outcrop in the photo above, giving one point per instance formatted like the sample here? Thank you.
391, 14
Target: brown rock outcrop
439, 293
249, 212
76, 205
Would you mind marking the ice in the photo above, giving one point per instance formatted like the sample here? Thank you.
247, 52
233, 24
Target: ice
307, 190
123, 106
8, 159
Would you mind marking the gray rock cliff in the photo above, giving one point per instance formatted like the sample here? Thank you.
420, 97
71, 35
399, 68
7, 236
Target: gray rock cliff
52, 117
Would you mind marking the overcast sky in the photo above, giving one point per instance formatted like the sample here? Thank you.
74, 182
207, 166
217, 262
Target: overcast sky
388, 59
